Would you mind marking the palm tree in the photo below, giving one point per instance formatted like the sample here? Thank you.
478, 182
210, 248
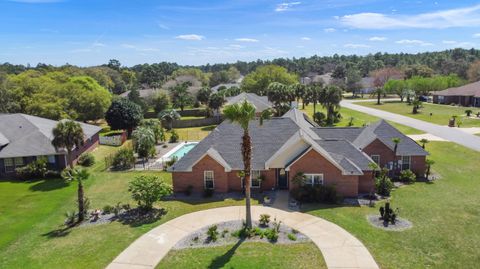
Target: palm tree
375, 167
169, 115
242, 114
79, 175
429, 164
299, 90
330, 98
395, 141
313, 94
68, 134
144, 142
424, 141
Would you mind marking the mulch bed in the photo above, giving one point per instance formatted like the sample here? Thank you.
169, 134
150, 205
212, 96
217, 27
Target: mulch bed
400, 224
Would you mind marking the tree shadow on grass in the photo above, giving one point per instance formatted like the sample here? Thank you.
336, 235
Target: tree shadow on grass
136, 217
221, 261
60, 232
49, 185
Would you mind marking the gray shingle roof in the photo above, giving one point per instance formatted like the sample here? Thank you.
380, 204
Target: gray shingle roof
471, 89
384, 132
338, 133
31, 136
260, 102
346, 154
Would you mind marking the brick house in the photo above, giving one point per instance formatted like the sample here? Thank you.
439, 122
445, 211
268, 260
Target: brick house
24, 138
284, 146
466, 95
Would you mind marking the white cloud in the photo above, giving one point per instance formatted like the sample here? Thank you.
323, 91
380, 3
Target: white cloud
460, 17
128, 46
377, 38
413, 42
449, 42
458, 44
163, 26
236, 46
329, 30
286, 6
477, 35
98, 44
306, 38
190, 37
356, 46
244, 39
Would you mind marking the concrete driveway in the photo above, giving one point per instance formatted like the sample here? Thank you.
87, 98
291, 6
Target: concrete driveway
448, 133
340, 249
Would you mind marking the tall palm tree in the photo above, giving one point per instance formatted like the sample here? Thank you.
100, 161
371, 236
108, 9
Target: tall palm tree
395, 141
68, 134
330, 98
242, 114
79, 175
169, 115
299, 90
424, 141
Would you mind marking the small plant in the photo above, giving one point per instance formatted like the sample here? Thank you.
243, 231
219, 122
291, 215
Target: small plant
350, 122
295, 231
468, 112
195, 239
276, 225
407, 176
387, 214
264, 220
292, 237
173, 136
126, 207
86, 159
70, 218
116, 209
383, 184
107, 209
224, 232
271, 234
212, 233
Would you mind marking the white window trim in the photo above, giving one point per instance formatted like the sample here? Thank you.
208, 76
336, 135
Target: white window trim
205, 179
376, 155
310, 179
251, 180
409, 162
12, 167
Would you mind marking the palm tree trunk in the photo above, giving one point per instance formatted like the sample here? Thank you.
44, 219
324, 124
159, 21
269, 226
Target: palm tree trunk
69, 157
247, 154
379, 95
81, 202
314, 107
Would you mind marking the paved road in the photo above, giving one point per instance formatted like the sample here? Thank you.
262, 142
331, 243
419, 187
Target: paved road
452, 134
340, 249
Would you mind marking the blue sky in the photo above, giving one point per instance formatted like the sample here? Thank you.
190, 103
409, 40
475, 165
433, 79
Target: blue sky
89, 32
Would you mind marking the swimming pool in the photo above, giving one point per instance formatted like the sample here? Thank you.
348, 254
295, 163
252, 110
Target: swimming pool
179, 151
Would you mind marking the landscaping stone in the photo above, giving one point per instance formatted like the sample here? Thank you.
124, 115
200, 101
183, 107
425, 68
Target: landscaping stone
200, 238
400, 224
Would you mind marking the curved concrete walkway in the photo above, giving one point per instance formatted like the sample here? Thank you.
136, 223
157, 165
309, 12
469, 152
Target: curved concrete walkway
340, 249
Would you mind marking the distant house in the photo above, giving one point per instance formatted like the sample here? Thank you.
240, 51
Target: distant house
313, 77
25, 138
260, 102
367, 85
466, 95
287, 145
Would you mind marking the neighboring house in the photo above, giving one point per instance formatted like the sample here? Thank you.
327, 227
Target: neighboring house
367, 85
466, 95
24, 138
260, 102
285, 146
313, 77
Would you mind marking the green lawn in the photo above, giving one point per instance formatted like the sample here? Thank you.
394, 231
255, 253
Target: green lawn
246, 255
359, 119
193, 133
192, 117
445, 216
32, 214
440, 113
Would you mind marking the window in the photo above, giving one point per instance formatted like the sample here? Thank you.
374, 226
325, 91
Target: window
208, 178
19, 161
405, 162
314, 179
256, 180
51, 158
8, 163
376, 159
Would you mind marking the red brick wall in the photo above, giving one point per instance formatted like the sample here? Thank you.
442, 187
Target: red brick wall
366, 183
378, 148
89, 145
313, 162
417, 165
181, 180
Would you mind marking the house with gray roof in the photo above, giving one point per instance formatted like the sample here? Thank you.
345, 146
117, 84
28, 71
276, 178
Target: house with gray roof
25, 138
260, 102
285, 146
466, 95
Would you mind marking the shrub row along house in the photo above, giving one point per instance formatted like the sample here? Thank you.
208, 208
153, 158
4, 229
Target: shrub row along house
466, 95
285, 146
25, 138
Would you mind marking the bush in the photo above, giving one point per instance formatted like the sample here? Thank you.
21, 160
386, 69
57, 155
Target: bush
383, 186
147, 190
173, 136
408, 176
212, 233
292, 237
318, 193
107, 209
188, 190
271, 234
35, 169
86, 159
123, 159
264, 219
207, 193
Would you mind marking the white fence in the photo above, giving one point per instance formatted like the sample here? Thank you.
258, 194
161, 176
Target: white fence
115, 140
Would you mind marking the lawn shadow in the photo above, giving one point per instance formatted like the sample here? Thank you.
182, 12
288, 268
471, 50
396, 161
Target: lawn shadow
136, 217
221, 261
48, 184
308, 207
60, 232
198, 198
208, 128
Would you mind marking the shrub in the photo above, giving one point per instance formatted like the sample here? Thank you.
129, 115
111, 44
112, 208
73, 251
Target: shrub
295, 231
207, 193
468, 112
408, 176
292, 237
147, 190
224, 232
70, 218
86, 159
123, 159
383, 184
318, 193
264, 219
173, 136
107, 209
212, 233
188, 190
36, 169
271, 234
387, 214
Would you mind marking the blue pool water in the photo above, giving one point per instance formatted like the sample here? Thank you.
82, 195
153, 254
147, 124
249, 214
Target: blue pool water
183, 150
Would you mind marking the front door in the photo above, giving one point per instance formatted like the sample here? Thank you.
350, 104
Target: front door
282, 179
